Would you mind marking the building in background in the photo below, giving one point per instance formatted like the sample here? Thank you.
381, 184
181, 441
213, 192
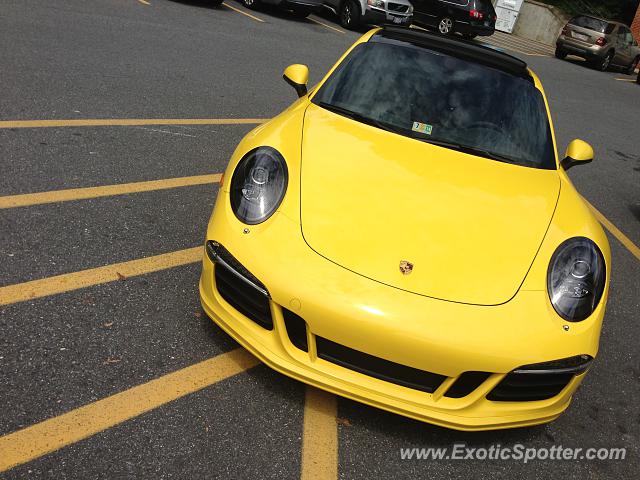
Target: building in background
635, 26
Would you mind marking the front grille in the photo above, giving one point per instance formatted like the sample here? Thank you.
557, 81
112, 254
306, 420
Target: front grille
296, 329
466, 383
239, 287
526, 387
397, 7
378, 367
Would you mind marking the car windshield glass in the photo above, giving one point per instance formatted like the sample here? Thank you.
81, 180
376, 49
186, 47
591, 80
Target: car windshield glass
440, 99
591, 23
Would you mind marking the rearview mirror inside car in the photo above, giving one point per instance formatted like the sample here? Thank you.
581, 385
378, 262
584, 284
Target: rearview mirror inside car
578, 152
297, 76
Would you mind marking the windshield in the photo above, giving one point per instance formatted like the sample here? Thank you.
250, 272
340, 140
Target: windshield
591, 23
440, 99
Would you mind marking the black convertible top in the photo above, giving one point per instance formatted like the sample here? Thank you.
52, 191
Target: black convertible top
459, 48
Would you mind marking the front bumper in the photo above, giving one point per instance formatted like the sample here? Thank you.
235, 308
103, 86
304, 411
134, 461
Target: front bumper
373, 15
445, 338
473, 412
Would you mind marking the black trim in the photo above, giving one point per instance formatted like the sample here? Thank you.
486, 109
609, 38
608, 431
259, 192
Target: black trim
296, 329
521, 387
568, 162
378, 367
539, 381
300, 89
456, 47
238, 287
466, 383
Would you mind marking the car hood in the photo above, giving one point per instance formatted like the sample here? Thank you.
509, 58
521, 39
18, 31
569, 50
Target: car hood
370, 199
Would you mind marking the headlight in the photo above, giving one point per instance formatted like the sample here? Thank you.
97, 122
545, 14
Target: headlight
576, 277
258, 185
376, 3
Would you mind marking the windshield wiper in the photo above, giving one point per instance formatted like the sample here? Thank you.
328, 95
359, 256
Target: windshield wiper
470, 150
345, 112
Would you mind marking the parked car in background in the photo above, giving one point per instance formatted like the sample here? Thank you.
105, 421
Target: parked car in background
601, 42
353, 13
300, 8
468, 17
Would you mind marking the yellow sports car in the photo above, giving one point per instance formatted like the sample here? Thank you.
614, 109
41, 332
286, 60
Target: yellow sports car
405, 235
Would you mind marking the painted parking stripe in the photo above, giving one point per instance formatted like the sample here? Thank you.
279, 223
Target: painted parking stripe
50, 435
54, 196
124, 122
319, 436
246, 14
43, 287
326, 25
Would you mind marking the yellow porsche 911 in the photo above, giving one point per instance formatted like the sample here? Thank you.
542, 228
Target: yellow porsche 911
405, 235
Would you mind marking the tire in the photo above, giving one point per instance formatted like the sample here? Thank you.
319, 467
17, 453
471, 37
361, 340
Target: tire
251, 4
350, 15
632, 66
301, 12
469, 36
561, 54
603, 64
446, 26
216, 3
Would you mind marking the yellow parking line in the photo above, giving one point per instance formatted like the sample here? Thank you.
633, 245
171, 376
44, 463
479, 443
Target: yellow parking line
43, 287
625, 79
50, 435
242, 12
615, 231
144, 2
108, 122
326, 25
319, 436
27, 199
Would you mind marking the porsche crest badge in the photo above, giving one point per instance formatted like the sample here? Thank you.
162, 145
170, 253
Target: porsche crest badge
406, 267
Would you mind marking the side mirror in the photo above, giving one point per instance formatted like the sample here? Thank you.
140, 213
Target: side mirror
297, 76
578, 153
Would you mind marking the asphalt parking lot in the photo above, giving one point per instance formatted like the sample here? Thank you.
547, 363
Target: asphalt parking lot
115, 118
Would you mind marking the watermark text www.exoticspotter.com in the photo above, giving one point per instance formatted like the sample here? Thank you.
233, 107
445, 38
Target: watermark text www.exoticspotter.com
517, 452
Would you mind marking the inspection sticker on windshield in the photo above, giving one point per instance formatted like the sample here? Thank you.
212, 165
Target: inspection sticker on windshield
422, 128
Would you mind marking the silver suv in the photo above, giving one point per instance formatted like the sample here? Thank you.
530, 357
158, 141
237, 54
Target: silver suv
601, 42
353, 13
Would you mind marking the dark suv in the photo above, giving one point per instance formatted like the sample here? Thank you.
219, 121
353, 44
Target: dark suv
468, 17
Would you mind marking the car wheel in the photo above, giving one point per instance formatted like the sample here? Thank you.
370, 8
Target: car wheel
350, 15
216, 3
469, 36
251, 4
604, 63
561, 54
301, 12
632, 67
445, 26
